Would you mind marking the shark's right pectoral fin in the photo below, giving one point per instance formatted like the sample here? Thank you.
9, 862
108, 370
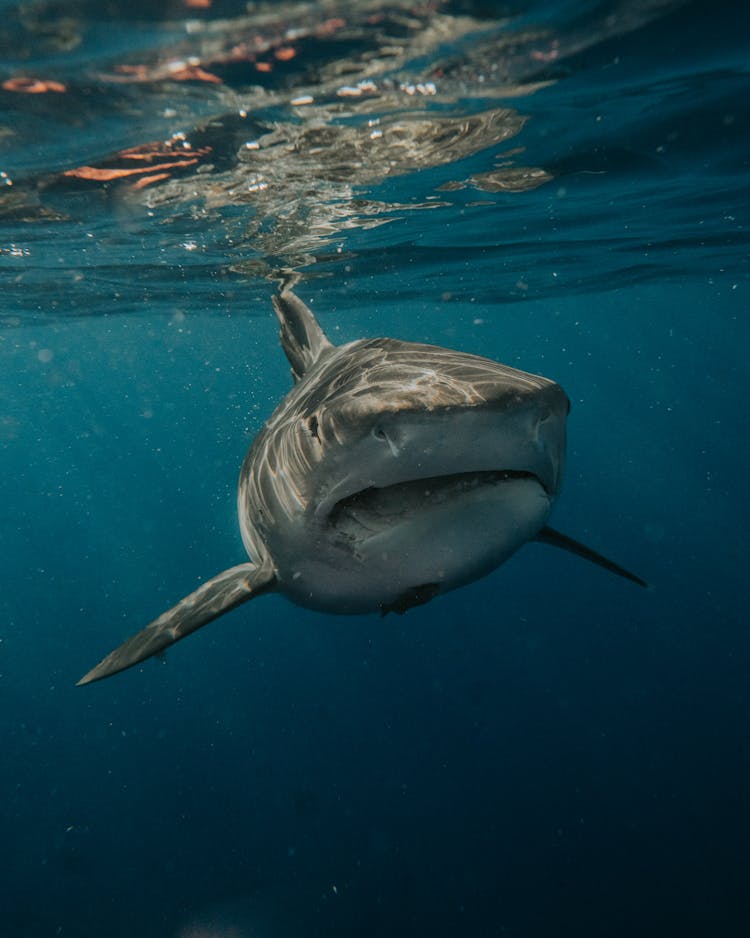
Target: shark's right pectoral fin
225, 591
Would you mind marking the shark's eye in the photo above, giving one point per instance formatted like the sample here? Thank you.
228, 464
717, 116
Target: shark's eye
379, 434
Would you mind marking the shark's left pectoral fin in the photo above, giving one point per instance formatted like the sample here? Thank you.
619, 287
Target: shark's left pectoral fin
225, 591
549, 536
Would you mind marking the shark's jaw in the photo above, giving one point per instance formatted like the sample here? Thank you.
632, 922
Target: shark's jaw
392, 547
402, 499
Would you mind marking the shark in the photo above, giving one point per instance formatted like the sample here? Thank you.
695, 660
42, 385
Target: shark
391, 473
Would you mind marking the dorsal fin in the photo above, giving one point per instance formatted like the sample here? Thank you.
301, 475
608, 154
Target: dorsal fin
302, 338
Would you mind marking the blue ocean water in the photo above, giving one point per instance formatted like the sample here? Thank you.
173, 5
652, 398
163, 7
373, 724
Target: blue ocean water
549, 751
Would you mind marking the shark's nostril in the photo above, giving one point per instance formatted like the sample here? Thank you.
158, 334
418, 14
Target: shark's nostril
380, 434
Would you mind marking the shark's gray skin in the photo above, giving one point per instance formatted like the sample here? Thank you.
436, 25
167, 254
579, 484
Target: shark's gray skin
391, 473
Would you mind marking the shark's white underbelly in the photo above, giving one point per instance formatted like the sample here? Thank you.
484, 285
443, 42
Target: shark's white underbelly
378, 549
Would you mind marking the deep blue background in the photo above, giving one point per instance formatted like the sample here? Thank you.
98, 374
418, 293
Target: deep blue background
550, 751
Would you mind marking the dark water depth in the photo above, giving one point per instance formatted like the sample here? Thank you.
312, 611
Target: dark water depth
547, 752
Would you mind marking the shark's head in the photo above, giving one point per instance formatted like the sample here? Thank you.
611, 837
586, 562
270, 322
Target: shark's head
422, 412
445, 460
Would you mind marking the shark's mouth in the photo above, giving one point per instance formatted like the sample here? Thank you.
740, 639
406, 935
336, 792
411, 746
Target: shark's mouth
401, 497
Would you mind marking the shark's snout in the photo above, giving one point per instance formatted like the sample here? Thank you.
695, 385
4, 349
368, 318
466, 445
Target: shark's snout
547, 437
